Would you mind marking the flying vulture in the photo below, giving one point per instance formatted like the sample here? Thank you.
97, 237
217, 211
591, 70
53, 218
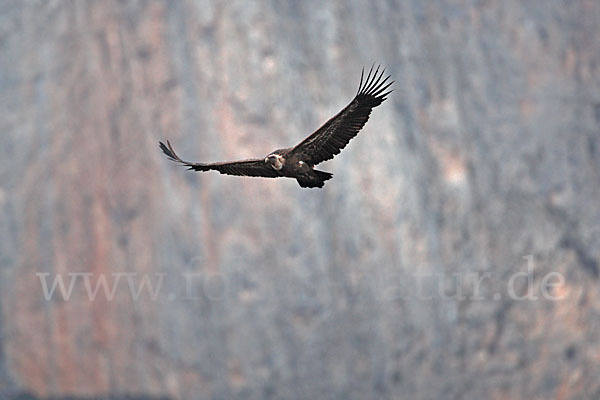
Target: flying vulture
327, 141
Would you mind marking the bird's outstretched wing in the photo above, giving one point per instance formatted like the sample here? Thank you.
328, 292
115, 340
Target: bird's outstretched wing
334, 135
250, 167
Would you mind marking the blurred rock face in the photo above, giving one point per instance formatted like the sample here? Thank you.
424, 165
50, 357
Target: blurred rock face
397, 280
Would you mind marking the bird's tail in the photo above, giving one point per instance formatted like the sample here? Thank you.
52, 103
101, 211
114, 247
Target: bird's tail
314, 181
323, 176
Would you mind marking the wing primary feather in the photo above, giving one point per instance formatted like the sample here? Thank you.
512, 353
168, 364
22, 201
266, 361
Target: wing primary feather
170, 153
373, 78
370, 83
384, 96
166, 151
375, 83
366, 85
382, 89
378, 87
362, 72
368, 78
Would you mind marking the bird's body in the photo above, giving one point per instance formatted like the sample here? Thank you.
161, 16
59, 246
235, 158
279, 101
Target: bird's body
327, 141
294, 165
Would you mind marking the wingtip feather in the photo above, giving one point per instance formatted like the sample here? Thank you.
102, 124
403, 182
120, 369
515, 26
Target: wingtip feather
362, 73
375, 84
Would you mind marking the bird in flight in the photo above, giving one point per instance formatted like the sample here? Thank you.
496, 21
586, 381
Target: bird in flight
322, 145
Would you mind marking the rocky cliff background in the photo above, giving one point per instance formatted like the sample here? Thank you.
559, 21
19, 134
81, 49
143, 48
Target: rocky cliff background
483, 163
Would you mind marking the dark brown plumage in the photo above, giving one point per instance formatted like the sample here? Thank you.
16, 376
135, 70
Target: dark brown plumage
327, 141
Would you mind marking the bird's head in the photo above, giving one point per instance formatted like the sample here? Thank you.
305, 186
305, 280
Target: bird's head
275, 160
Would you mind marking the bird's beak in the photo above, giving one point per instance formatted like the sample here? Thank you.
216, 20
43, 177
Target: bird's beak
266, 159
